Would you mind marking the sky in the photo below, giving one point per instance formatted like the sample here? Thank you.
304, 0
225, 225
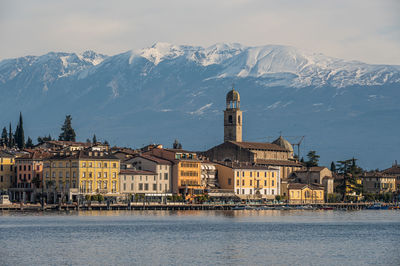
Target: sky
364, 30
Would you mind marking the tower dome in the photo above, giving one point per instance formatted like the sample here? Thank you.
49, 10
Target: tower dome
232, 95
233, 99
283, 143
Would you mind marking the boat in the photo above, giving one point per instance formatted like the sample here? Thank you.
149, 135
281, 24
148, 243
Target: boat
242, 207
378, 206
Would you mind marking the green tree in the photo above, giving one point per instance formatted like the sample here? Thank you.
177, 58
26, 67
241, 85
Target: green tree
29, 143
19, 133
4, 137
313, 159
42, 140
333, 167
94, 141
36, 181
351, 174
10, 137
67, 132
177, 145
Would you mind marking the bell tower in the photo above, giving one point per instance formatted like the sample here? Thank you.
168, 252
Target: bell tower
233, 118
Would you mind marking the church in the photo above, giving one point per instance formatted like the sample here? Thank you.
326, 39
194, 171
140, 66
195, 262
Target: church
278, 154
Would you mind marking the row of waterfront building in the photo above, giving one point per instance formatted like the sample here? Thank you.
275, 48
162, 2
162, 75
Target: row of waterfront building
233, 169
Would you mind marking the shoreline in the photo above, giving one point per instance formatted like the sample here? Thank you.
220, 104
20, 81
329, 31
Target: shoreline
182, 206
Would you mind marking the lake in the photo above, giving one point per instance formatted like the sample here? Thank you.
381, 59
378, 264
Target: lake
248, 237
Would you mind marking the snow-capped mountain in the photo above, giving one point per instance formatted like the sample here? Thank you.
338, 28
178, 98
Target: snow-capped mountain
167, 91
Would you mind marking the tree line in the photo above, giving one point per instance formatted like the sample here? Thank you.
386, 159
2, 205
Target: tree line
16, 139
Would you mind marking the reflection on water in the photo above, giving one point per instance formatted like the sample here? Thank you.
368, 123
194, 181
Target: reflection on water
246, 237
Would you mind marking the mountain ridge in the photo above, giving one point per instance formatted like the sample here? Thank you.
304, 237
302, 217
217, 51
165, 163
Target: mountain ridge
166, 91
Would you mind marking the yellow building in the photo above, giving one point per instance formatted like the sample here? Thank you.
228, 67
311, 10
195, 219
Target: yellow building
249, 181
377, 182
305, 193
7, 170
82, 172
186, 170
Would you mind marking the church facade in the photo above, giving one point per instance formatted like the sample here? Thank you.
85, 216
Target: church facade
278, 154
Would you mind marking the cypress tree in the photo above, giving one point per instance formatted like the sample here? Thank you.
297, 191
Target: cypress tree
10, 138
67, 132
333, 167
19, 133
4, 137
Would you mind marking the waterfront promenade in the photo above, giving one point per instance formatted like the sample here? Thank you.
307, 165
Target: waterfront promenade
186, 206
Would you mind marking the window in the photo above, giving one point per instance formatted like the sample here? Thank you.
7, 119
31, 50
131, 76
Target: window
160, 186
114, 165
24, 167
20, 167
237, 183
251, 174
154, 186
239, 119
105, 184
98, 184
1, 179
67, 174
243, 182
99, 175
132, 178
90, 174
273, 183
53, 174
229, 181
238, 191
66, 165
258, 174
237, 174
140, 186
60, 174
265, 192
105, 174
74, 174
265, 174
251, 191
83, 164
114, 175
160, 175
146, 186
124, 177
90, 164
83, 174
251, 182
105, 165
154, 178
165, 176
29, 167
99, 165
265, 183
242, 173
166, 187
273, 192
230, 119
131, 186
242, 191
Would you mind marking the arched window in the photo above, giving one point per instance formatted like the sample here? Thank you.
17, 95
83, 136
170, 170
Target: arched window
230, 119
239, 119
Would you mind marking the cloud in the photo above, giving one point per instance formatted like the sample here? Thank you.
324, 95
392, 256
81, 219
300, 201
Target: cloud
362, 30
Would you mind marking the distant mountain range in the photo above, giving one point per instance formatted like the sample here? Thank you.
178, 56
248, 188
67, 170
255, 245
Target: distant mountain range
157, 94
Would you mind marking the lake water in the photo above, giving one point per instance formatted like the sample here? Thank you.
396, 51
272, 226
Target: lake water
201, 237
